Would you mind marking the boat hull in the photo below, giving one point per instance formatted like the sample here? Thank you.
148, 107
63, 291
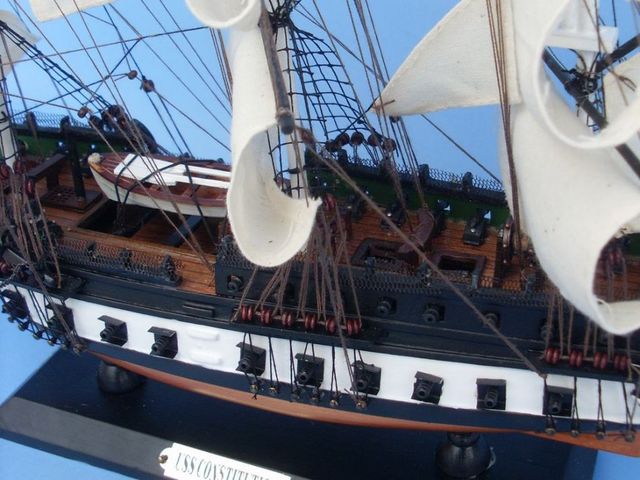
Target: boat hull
207, 360
165, 201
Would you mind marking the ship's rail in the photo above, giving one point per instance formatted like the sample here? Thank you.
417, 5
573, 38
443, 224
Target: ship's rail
400, 277
47, 120
162, 269
434, 174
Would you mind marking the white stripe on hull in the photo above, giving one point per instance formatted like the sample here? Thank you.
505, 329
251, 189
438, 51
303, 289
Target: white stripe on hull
215, 348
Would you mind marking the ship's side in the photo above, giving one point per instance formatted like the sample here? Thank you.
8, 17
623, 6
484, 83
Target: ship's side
405, 352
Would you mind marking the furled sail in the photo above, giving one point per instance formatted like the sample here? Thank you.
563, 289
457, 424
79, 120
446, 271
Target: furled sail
269, 226
51, 9
452, 66
10, 53
576, 193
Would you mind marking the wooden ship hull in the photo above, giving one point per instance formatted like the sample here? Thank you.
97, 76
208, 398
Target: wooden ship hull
139, 297
416, 304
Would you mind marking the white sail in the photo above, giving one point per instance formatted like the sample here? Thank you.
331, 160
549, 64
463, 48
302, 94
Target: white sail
572, 204
9, 54
51, 9
573, 200
542, 23
269, 226
576, 193
452, 66
620, 87
449, 67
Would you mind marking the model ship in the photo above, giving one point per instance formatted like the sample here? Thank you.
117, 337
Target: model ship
326, 274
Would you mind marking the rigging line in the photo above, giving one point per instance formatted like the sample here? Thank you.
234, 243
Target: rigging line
628, 414
308, 106
298, 178
337, 169
625, 152
405, 144
194, 189
71, 27
273, 370
602, 47
153, 105
164, 123
95, 17
15, 73
358, 113
409, 159
61, 96
329, 268
243, 297
175, 126
384, 121
68, 78
65, 76
413, 163
312, 72
173, 72
38, 103
361, 52
307, 14
73, 338
375, 34
495, 20
623, 50
138, 38
461, 148
133, 127
12, 147
187, 117
194, 247
372, 152
124, 58
223, 61
378, 72
15, 10
117, 30
193, 49
403, 134
188, 60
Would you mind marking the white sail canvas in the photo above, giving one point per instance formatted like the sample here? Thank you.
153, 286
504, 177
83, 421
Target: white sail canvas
452, 66
552, 149
620, 87
269, 226
9, 51
51, 9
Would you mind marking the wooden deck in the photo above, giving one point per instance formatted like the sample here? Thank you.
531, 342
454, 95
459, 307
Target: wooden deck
196, 275
197, 262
